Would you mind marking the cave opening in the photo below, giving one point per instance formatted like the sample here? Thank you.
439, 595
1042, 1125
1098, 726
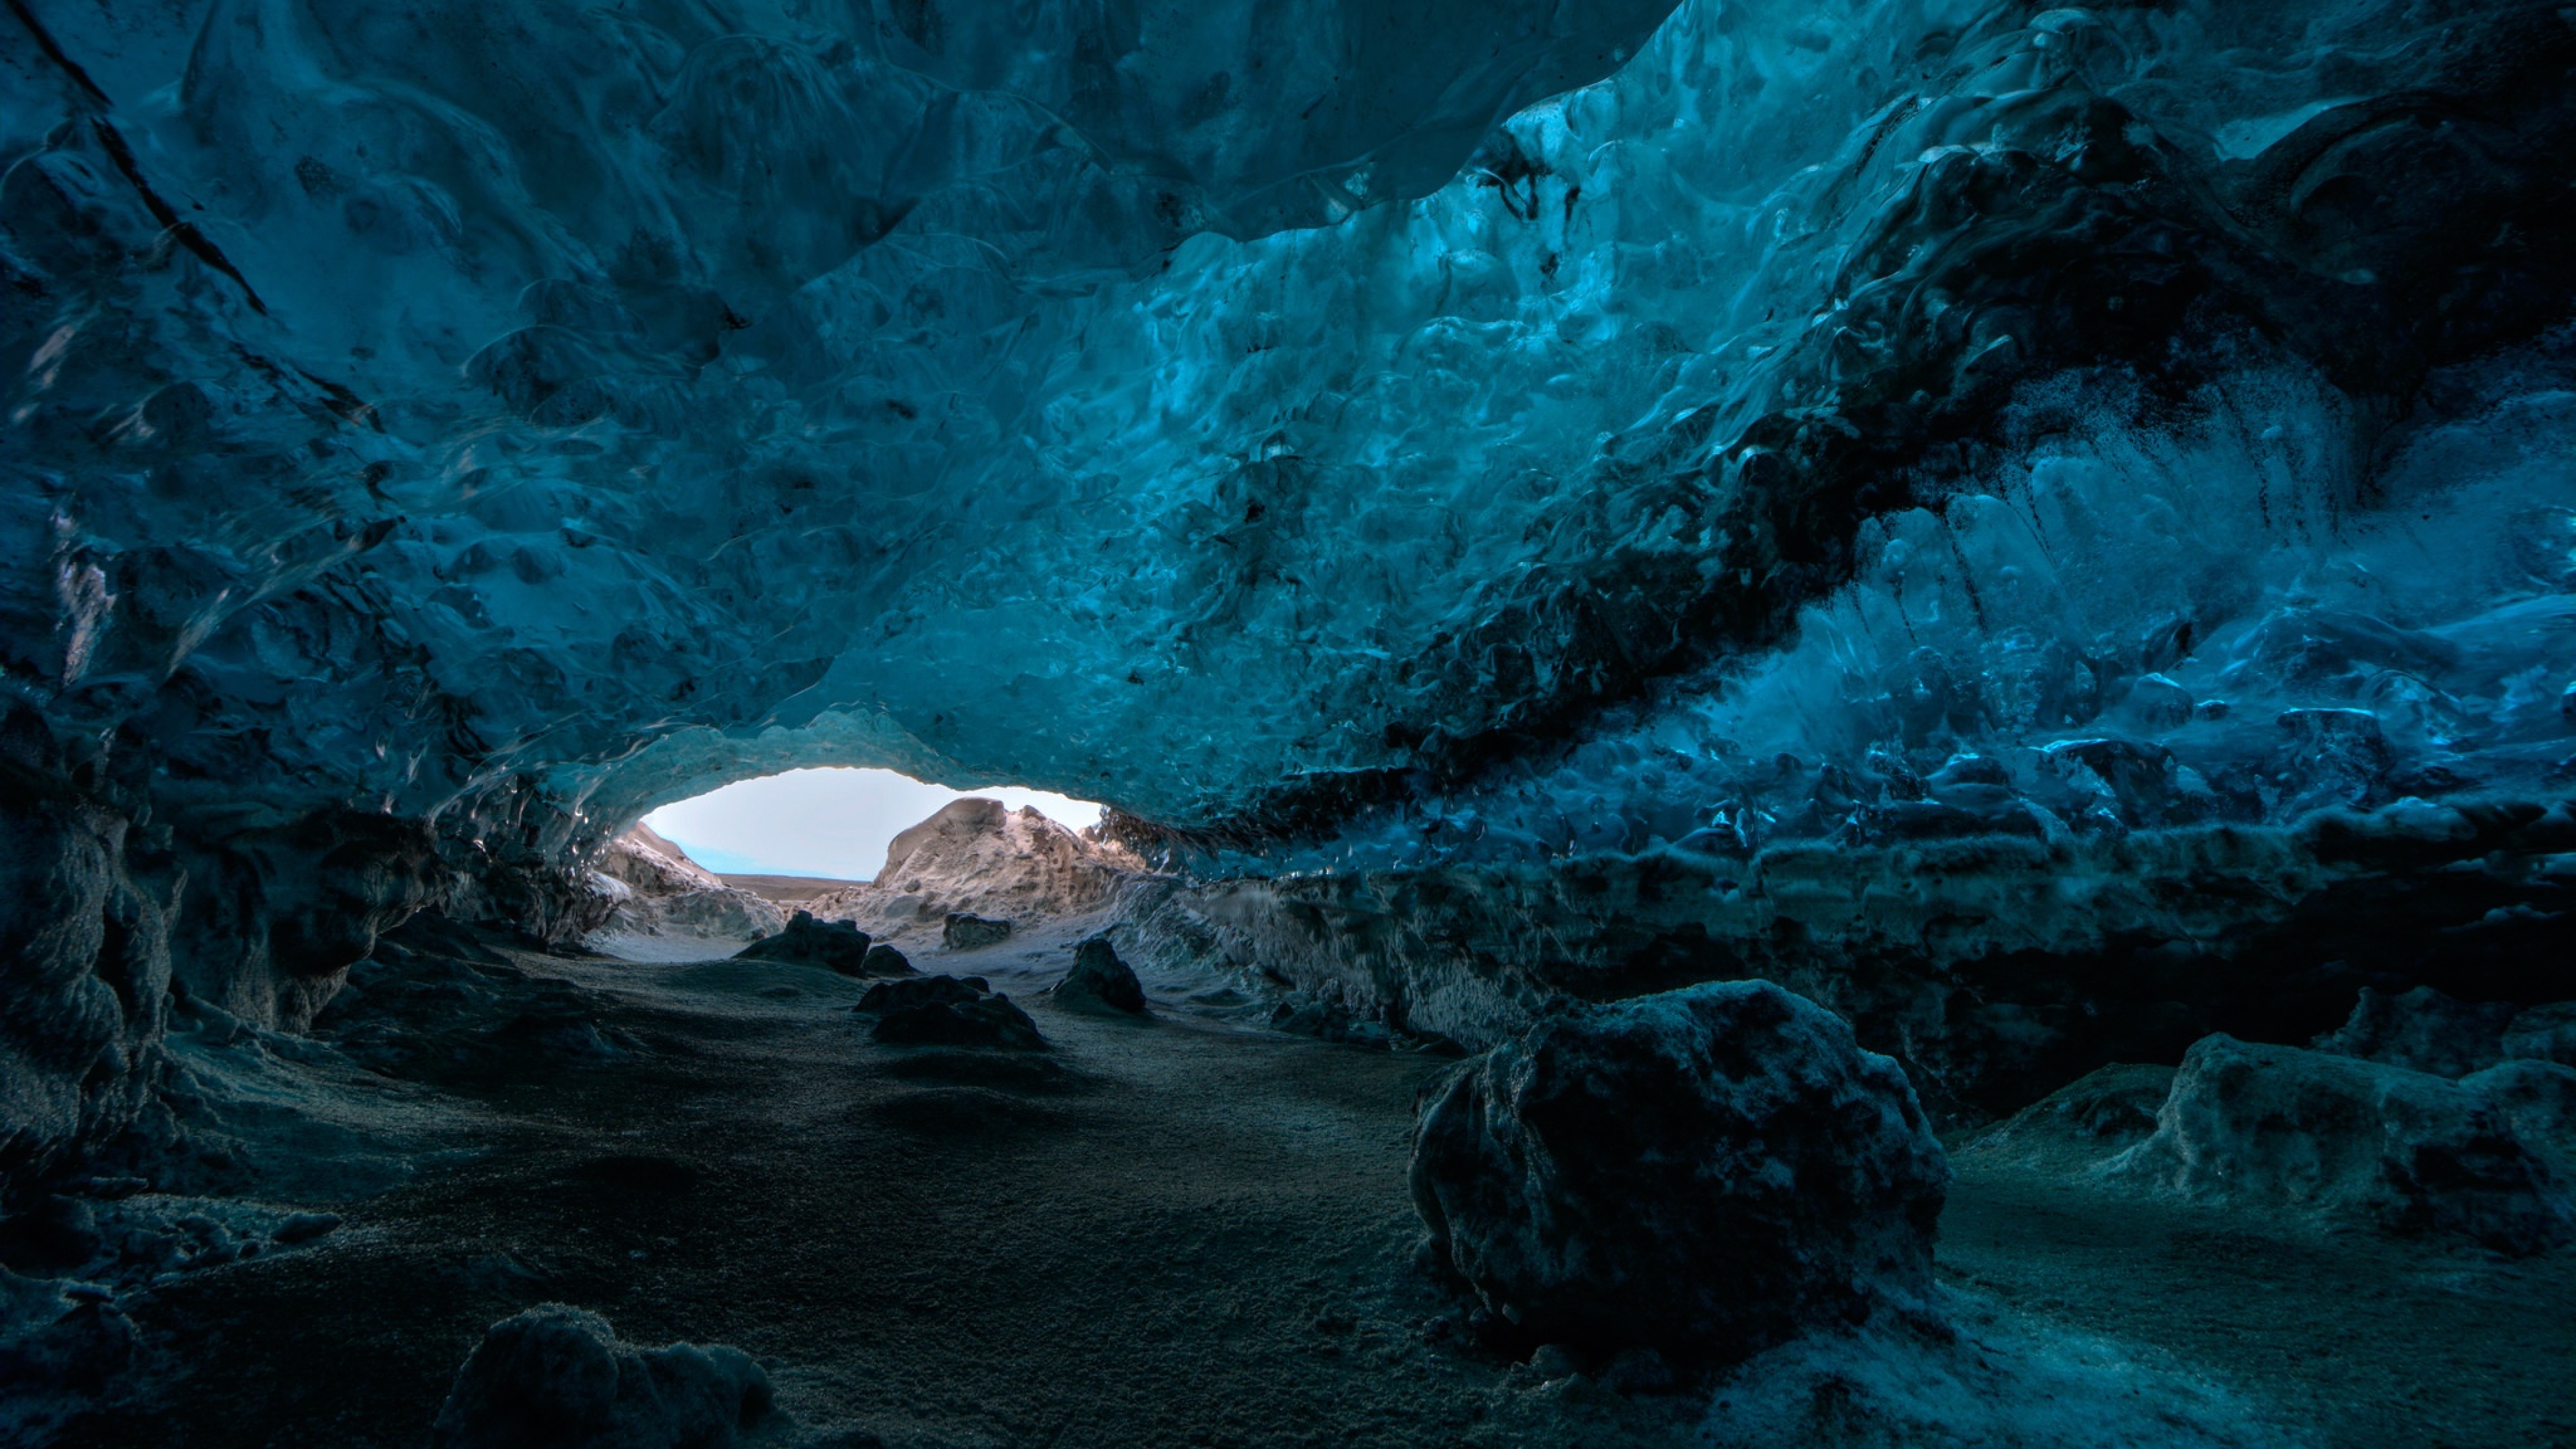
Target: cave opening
715, 872
828, 823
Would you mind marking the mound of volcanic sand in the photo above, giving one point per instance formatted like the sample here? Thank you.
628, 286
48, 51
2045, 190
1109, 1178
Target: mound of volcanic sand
980, 858
667, 907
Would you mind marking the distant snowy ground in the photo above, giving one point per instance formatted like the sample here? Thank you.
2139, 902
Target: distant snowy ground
832, 823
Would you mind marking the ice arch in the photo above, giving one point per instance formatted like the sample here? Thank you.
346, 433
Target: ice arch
435, 436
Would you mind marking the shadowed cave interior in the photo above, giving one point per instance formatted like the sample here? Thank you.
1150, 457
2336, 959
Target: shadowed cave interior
1842, 724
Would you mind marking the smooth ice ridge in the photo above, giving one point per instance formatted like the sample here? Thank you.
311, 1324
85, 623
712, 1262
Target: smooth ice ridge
523, 417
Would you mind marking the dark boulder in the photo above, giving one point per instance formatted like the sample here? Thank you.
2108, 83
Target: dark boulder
968, 932
1100, 981
990, 1021
555, 1377
884, 960
2341, 1137
949, 1011
2422, 1030
832, 945
914, 991
1702, 1173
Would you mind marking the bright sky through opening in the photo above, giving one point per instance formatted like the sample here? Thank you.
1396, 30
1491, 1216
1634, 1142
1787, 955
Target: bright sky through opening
834, 823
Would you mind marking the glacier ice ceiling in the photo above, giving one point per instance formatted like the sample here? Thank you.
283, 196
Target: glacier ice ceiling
2049, 530
1231, 426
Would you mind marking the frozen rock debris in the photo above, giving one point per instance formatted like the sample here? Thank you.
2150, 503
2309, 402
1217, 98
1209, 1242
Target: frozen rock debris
2355, 1140
1100, 981
556, 1377
1702, 1173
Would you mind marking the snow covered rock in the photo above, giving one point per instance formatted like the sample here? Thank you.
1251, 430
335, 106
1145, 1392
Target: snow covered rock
556, 1377
2422, 1030
2345, 1138
1704, 1173
1100, 981
979, 859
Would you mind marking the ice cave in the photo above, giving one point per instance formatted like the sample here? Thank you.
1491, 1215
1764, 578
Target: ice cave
1817, 724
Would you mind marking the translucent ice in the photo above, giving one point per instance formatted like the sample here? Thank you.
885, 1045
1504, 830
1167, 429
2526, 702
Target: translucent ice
1428, 424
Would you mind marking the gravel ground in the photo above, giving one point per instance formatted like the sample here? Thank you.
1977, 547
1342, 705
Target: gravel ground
1191, 1232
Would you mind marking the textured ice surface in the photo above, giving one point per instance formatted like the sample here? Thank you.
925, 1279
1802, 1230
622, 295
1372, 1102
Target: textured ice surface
1208, 409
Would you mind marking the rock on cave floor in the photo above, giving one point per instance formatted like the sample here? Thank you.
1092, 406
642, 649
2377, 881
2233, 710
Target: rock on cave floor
1189, 1233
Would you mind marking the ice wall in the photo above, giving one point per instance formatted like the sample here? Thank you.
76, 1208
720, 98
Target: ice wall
1337, 434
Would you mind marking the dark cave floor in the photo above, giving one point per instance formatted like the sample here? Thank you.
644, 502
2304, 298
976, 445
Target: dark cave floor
1190, 1233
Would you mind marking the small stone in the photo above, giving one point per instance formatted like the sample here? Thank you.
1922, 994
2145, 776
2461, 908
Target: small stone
1100, 981
304, 1227
884, 960
969, 932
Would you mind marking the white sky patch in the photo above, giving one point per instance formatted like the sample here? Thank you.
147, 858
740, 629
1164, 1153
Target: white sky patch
834, 823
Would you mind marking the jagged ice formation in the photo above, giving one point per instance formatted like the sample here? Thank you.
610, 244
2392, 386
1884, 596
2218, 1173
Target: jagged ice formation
1345, 437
